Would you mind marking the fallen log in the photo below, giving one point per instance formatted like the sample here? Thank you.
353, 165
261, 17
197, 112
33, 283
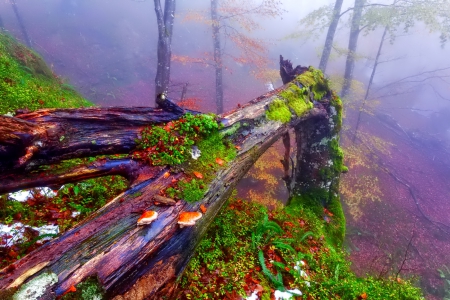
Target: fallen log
142, 262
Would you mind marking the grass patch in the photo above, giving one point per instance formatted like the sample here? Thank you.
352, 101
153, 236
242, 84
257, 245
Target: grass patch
27, 83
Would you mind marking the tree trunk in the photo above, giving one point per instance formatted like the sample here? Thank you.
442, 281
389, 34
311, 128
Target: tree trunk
21, 24
165, 32
130, 261
372, 75
352, 45
218, 64
330, 35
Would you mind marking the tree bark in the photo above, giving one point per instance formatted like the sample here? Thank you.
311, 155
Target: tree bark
165, 32
218, 64
352, 45
330, 35
130, 261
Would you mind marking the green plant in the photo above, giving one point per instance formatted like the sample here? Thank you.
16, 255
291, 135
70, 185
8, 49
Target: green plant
277, 280
265, 228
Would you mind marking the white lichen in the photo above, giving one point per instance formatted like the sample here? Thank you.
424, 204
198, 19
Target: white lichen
36, 287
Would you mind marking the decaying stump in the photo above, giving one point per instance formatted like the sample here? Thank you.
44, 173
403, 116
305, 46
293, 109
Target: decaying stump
142, 262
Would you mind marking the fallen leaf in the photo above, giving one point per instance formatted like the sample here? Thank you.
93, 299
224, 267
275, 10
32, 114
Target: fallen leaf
326, 211
198, 175
203, 208
219, 161
168, 126
70, 290
13, 254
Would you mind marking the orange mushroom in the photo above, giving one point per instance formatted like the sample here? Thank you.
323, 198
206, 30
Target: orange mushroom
147, 217
188, 218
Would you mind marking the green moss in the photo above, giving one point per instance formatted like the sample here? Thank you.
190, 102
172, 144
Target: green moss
297, 99
192, 190
212, 148
26, 81
279, 111
306, 79
231, 130
314, 80
336, 102
170, 143
89, 289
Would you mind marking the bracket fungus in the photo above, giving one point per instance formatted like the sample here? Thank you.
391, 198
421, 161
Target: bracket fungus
147, 217
188, 218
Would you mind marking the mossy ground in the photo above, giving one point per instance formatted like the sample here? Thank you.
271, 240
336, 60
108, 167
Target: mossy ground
27, 83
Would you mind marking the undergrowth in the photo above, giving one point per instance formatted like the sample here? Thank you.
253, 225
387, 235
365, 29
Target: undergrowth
249, 248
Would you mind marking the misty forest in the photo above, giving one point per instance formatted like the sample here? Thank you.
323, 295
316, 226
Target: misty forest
224, 149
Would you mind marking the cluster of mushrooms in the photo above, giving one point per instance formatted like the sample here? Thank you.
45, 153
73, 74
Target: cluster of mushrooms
186, 218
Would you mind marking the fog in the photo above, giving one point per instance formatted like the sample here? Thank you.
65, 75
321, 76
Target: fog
107, 50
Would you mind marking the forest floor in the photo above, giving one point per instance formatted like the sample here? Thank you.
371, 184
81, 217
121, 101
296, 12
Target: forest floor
406, 230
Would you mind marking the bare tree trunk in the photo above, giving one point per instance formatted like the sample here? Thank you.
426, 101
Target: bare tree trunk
184, 91
352, 45
165, 32
372, 75
218, 64
330, 35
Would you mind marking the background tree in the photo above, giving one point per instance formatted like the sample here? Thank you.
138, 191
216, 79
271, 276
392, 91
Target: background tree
232, 23
165, 31
352, 44
330, 35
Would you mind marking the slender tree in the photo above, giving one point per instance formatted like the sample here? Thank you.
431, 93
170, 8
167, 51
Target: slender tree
352, 45
330, 35
218, 65
233, 20
165, 32
369, 85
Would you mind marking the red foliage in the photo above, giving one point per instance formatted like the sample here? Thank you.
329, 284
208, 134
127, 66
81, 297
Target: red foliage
190, 103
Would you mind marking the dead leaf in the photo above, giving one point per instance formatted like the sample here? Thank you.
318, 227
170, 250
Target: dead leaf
198, 175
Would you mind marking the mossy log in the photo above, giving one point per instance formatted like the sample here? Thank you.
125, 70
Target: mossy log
130, 261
